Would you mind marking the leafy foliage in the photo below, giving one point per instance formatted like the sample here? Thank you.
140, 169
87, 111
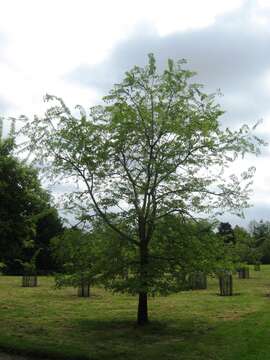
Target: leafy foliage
225, 230
246, 247
23, 204
74, 251
48, 226
260, 231
30, 267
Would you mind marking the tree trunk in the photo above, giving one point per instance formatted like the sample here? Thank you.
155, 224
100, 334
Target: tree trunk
142, 317
84, 289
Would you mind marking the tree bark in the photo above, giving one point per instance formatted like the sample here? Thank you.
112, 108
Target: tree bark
142, 317
84, 289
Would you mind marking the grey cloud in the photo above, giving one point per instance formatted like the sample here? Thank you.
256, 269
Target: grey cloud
231, 55
260, 212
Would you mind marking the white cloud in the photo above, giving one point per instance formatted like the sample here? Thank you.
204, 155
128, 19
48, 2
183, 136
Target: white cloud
46, 39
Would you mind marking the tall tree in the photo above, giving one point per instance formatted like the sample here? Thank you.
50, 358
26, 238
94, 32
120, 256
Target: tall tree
246, 247
260, 231
153, 149
48, 225
225, 230
23, 203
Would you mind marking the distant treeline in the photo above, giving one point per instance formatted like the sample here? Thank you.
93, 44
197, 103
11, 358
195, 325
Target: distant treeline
252, 244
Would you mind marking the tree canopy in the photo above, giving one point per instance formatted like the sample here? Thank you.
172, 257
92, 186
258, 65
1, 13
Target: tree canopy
153, 149
260, 231
24, 203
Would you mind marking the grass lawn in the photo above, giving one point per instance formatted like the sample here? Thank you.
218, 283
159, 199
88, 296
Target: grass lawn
189, 325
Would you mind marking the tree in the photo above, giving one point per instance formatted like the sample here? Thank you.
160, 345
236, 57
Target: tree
260, 231
153, 149
23, 203
74, 250
225, 230
245, 246
30, 267
48, 226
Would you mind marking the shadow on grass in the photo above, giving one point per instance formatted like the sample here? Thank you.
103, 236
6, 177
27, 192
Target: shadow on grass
124, 339
152, 326
193, 337
225, 297
155, 329
75, 297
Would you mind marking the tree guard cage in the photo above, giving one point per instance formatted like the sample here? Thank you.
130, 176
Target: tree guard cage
225, 284
197, 281
29, 280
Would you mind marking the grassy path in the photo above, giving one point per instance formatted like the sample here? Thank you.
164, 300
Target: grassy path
188, 326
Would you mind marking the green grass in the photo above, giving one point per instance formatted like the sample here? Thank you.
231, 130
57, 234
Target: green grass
189, 325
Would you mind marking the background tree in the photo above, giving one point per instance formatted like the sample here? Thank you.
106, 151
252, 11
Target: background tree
245, 246
30, 266
74, 251
153, 149
178, 249
260, 231
225, 230
23, 204
102, 255
48, 225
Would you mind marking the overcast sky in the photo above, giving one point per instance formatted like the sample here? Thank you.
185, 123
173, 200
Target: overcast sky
78, 49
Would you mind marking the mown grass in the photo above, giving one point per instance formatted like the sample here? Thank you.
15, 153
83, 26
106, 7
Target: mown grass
189, 325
